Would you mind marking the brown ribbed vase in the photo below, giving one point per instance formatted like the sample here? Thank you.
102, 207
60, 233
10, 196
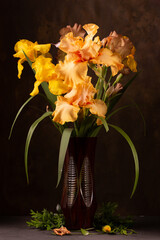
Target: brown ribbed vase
78, 201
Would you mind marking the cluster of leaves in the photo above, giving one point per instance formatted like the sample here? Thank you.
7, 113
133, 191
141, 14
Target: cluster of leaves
106, 215
46, 220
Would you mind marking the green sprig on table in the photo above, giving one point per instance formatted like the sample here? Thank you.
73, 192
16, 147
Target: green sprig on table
106, 215
46, 220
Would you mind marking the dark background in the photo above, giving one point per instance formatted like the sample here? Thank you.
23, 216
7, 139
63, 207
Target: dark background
38, 20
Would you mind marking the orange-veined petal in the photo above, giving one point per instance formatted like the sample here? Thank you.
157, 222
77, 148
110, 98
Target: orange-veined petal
71, 72
81, 95
110, 59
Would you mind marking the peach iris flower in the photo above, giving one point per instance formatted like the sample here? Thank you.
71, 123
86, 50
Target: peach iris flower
81, 96
89, 49
31, 50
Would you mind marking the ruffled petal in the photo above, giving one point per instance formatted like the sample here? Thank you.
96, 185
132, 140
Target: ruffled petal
72, 73
45, 69
70, 44
91, 29
65, 112
81, 95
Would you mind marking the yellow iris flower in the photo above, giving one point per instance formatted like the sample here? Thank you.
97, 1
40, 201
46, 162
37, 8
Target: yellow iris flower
45, 72
31, 50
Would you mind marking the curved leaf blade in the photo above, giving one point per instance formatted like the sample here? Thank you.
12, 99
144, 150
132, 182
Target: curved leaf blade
135, 155
105, 124
62, 152
18, 113
28, 139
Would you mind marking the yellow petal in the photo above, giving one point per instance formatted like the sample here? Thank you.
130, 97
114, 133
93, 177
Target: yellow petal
131, 63
35, 90
27, 47
20, 67
43, 48
45, 69
57, 87
108, 58
64, 111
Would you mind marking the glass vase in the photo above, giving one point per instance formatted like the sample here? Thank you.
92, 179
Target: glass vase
78, 200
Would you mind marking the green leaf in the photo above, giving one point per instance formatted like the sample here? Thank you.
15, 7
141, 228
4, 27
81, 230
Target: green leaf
28, 139
105, 124
29, 61
134, 152
62, 152
52, 98
18, 113
84, 232
117, 110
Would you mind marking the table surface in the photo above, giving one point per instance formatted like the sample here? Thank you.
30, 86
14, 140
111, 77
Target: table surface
15, 228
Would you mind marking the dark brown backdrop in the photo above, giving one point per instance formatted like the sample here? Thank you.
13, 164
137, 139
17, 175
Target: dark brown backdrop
40, 20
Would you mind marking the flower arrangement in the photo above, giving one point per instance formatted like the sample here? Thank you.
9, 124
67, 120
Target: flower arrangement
79, 105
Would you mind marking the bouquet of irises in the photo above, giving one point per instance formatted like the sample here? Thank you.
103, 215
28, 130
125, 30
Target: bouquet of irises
79, 105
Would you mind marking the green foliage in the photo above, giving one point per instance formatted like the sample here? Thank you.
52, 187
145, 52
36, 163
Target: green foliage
46, 220
106, 215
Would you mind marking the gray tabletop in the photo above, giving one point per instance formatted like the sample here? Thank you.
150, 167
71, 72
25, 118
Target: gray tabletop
15, 228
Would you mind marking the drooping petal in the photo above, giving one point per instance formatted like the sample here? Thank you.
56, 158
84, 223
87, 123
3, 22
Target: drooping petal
110, 59
98, 107
131, 63
20, 67
35, 90
65, 112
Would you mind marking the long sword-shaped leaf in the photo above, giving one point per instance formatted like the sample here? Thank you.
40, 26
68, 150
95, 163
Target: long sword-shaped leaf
134, 152
105, 124
62, 152
18, 113
52, 98
28, 139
